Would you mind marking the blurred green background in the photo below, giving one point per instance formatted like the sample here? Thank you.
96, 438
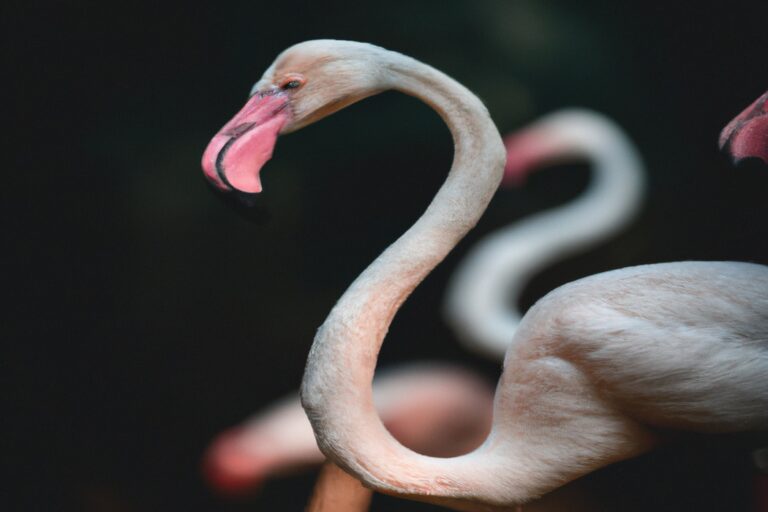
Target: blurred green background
146, 316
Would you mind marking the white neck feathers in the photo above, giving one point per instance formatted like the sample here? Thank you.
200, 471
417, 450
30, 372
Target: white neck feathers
336, 390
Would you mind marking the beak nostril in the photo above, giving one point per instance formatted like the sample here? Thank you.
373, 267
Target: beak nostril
240, 129
269, 91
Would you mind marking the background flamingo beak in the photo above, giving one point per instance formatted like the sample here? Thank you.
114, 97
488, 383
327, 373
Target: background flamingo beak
747, 135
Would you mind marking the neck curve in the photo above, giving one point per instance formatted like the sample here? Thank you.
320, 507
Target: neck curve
482, 297
336, 390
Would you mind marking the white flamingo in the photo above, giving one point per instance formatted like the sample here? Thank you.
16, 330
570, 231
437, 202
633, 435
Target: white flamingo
435, 417
595, 366
746, 136
481, 300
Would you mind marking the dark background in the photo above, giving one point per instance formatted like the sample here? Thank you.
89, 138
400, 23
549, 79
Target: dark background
145, 316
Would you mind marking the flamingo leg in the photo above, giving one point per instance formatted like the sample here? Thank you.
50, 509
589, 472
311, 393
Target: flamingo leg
336, 491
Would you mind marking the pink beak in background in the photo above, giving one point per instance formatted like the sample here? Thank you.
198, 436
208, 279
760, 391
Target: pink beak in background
525, 151
747, 135
230, 468
235, 155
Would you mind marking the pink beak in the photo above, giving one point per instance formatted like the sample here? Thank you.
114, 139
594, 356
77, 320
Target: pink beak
235, 155
228, 469
747, 135
527, 149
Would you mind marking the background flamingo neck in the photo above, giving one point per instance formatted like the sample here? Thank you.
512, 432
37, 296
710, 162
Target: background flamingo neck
336, 391
482, 298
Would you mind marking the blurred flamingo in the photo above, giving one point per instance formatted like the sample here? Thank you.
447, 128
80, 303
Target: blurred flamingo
482, 296
436, 409
595, 367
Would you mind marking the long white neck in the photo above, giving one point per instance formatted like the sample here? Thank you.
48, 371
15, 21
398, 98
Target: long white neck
482, 297
336, 390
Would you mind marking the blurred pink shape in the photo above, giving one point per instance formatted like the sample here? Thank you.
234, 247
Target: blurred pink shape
435, 409
746, 136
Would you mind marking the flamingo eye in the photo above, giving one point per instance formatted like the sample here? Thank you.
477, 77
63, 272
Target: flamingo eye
291, 84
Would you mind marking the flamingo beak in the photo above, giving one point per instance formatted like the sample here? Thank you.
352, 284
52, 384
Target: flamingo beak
234, 157
526, 150
229, 469
747, 135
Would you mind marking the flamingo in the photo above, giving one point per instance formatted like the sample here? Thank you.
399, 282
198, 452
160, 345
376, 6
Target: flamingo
436, 409
493, 274
595, 367
280, 439
746, 136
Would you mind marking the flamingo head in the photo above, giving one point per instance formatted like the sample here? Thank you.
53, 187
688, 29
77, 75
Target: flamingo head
307, 82
555, 138
231, 468
526, 150
747, 135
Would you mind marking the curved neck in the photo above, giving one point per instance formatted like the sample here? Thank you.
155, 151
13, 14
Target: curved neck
336, 390
482, 298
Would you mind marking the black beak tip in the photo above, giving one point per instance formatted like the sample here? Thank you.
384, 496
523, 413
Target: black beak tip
749, 162
740, 161
246, 205
245, 199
